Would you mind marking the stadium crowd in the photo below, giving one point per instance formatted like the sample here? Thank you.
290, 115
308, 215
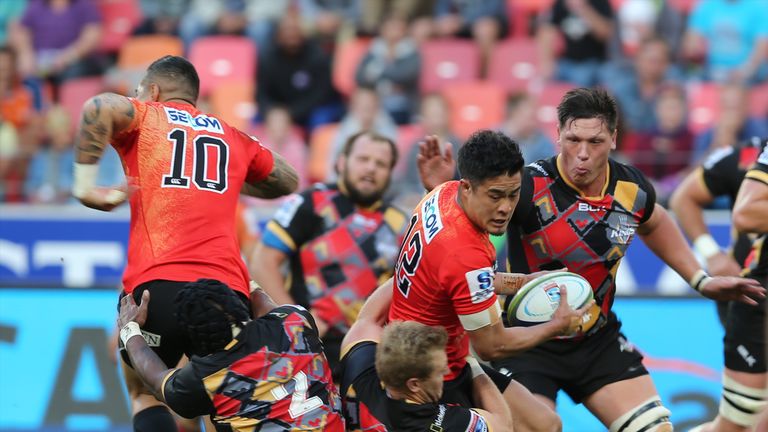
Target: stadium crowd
688, 75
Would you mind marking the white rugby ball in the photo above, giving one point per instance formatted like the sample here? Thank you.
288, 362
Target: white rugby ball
537, 300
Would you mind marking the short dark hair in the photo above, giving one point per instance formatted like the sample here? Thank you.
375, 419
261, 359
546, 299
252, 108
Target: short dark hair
206, 310
177, 69
587, 103
349, 144
488, 154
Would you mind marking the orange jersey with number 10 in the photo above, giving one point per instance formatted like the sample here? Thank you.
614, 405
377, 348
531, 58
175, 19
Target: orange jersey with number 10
445, 269
188, 168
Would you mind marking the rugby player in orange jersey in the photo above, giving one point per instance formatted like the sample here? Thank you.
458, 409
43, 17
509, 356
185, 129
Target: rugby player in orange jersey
445, 274
187, 169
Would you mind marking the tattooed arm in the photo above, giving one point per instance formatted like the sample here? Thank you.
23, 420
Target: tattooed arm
103, 116
282, 180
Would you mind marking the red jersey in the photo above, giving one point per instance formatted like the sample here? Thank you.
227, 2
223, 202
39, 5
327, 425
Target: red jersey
189, 168
445, 269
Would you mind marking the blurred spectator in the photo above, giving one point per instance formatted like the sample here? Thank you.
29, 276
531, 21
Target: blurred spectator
161, 17
57, 39
586, 27
253, 18
521, 125
391, 66
731, 36
327, 17
50, 175
371, 13
278, 133
10, 11
433, 119
365, 114
20, 127
640, 20
484, 21
294, 72
663, 153
734, 124
636, 87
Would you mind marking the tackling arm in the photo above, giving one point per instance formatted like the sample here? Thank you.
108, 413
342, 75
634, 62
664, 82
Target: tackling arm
265, 267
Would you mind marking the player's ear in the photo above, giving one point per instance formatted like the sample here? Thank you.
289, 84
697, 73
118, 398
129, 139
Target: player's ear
154, 92
413, 385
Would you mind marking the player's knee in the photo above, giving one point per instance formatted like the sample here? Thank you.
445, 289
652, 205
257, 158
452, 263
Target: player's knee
650, 416
154, 419
741, 404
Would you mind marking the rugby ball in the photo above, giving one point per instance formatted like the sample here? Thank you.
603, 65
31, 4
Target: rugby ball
537, 300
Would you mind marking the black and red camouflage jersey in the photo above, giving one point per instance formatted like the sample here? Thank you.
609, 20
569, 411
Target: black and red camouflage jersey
272, 377
555, 226
757, 262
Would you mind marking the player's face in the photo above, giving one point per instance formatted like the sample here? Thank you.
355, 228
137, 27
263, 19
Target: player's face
365, 173
585, 145
433, 384
490, 203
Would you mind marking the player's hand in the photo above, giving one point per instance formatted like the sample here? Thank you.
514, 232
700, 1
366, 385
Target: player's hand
731, 288
568, 320
435, 165
129, 311
722, 264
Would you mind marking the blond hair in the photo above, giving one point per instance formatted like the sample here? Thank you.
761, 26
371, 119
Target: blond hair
403, 352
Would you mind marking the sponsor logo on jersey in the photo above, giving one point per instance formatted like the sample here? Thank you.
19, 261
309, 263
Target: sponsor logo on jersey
430, 215
287, 211
763, 158
586, 207
538, 168
437, 425
480, 284
623, 232
199, 123
151, 339
477, 423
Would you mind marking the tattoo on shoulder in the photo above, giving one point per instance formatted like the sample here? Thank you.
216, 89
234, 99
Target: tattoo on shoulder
281, 181
100, 115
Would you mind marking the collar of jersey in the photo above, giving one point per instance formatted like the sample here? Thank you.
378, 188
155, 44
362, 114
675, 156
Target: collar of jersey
576, 188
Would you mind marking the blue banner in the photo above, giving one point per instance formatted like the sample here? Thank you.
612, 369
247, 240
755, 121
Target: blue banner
78, 247
57, 373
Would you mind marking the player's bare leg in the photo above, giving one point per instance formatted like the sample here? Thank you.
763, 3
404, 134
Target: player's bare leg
744, 400
142, 400
531, 412
630, 405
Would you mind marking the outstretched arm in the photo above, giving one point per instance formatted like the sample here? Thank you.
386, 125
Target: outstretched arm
688, 203
281, 181
103, 116
372, 316
435, 165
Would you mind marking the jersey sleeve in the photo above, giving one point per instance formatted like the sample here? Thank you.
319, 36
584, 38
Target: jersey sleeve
361, 391
184, 393
717, 169
467, 275
759, 171
262, 161
292, 224
650, 194
124, 137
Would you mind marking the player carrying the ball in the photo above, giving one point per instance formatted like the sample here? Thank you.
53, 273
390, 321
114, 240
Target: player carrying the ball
445, 273
581, 210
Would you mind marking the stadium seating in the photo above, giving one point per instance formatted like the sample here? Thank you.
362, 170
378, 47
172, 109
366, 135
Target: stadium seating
475, 105
514, 64
320, 143
407, 135
347, 57
119, 18
447, 61
139, 51
219, 59
547, 100
758, 100
73, 94
703, 106
522, 12
233, 102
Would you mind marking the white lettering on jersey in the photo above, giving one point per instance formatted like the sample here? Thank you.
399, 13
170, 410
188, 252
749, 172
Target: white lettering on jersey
538, 168
717, 156
763, 158
287, 211
586, 207
199, 123
430, 215
480, 284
